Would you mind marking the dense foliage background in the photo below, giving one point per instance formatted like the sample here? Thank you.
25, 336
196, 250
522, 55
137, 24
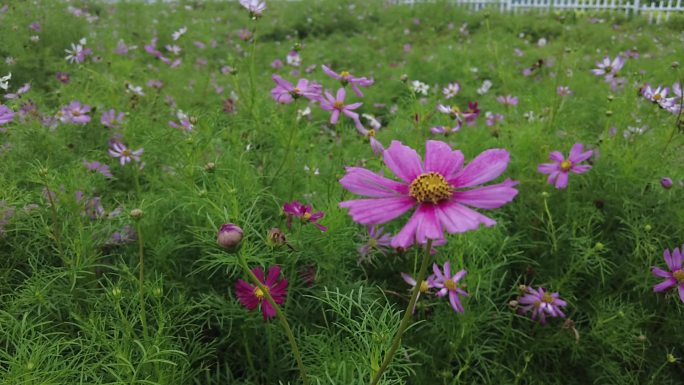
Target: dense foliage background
70, 305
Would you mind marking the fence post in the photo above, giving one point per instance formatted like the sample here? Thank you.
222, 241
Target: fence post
636, 7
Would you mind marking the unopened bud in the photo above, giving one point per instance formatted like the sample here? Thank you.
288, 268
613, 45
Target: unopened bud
229, 236
666, 183
209, 167
609, 113
675, 64
136, 213
404, 78
276, 237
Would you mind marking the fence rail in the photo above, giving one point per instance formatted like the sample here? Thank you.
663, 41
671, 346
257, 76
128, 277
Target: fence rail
656, 11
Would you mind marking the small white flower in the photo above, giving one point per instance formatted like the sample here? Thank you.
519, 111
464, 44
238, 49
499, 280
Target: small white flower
35, 38
177, 35
4, 81
420, 87
135, 89
9, 60
305, 113
486, 85
374, 123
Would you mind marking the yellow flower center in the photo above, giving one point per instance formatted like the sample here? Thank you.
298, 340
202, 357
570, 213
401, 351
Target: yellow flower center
657, 97
306, 216
338, 105
450, 285
372, 242
424, 286
126, 152
260, 293
608, 69
76, 113
679, 275
547, 298
296, 91
455, 110
371, 133
345, 74
566, 165
430, 187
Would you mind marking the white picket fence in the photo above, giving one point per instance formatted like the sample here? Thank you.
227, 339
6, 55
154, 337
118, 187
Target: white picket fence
656, 11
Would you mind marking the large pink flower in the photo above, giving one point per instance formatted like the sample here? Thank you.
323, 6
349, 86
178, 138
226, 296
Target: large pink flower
438, 188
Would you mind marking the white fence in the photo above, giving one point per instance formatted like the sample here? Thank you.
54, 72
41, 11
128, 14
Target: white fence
656, 11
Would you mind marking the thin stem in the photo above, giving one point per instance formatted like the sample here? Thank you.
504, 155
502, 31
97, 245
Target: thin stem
280, 315
396, 342
56, 233
141, 277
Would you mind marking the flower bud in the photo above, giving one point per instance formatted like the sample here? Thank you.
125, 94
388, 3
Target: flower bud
136, 213
276, 237
229, 236
209, 167
666, 183
675, 64
404, 78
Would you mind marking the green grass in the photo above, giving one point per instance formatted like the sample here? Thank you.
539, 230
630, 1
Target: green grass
70, 304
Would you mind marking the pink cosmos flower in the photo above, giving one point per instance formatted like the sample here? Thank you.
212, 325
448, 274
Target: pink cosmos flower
507, 100
542, 304
448, 284
492, 118
74, 113
285, 93
251, 296
424, 286
98, 167
375, 144
377, 239
6, 114
674, 277
558, 171
62, 77
347, 78
303, 212
451, 90
658, 96
78, 52
609, 68
336, 105
472, 113
255, 7
437, 188
563, 91
125, 155
111, 119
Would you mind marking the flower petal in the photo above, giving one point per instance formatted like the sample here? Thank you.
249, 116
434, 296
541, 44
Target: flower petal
273, 274
488, 197
440, 158
379, 210
666, 284
562, 180
457, 218
577, 155
403, 161
547, 168
485, 167
268, 310
660, 272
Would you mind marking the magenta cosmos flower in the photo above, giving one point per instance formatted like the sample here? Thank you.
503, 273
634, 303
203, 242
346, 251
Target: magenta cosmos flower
674, 277
609, 68
285, 93
558, 171
347, 78
336, 105
448, 284
438, 188
542, 304
125, 155
303, 212
425, 285
251, 296
75, 113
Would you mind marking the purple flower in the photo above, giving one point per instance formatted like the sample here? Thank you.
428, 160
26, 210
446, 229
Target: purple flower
255, 7
346, 78
251, 296
35, 26
445, 130
74, 113
126, 235
78, 52
674, 277
377, 239
609, 68
303, 212
491, 118
542, 304
507, 100
285, 93
336, 105
558, 171
436, 187
22, 90
666, 183
6, 114
122, 48
125, 155
277, 63
98, 167
63, 77
424, 286
563, 91
451, 90
111, 119
185, 123
448, 284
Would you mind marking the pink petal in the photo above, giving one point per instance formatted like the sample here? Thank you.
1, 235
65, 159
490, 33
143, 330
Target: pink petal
353, 106
379, 210
576, 154
273, 274
279, 291
259, 272
681, 292
268, 310
403, 161
580, 169
677, 258
668, 283
489, 197
485, 167
408, 279
365, 182
406, 236
429, 227
457, 218
341, 93
547, 168
556, 156
334, 116
661, 273
440, 158
562, 180
455, 302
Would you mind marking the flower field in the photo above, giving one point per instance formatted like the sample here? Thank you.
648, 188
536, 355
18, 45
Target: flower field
342, 192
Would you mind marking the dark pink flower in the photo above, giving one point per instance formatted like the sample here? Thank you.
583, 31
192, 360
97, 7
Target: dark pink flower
542, 304
437, 188
303, 212
558, 171
347, 78
251, 296
674, 277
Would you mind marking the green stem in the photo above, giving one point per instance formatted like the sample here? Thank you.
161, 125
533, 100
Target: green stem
56, 233
141, 277
396, 342
280, 315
